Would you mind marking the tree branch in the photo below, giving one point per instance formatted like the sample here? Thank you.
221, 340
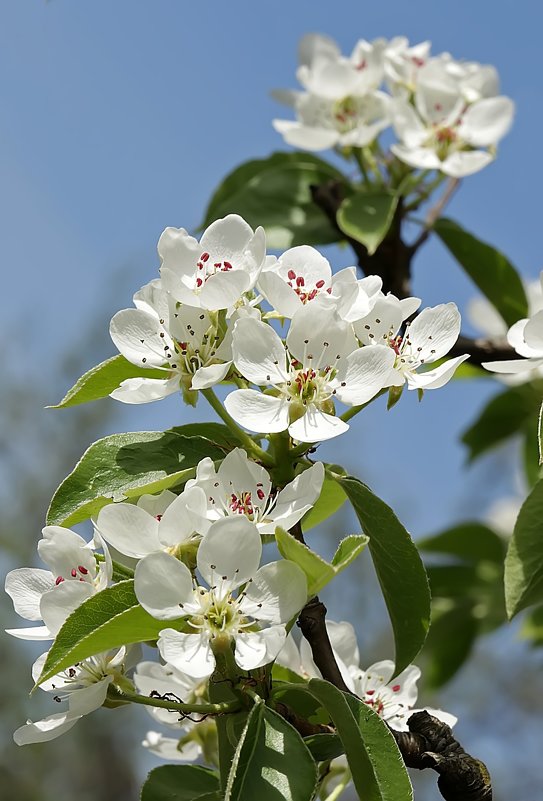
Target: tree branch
434, 214
483, 350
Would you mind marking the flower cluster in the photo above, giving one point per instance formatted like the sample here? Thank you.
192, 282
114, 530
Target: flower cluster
207, 320
447, 114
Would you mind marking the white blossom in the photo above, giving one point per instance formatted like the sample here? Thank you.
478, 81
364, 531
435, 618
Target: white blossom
392, 697
321, 361
228, 558
215, 272
51, 595
243, 487
526, 338
428, 338
302, 275
442, 132
84, 686
184, 342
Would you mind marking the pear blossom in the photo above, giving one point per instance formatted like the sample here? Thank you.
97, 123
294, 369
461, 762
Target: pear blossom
526, 338
84, 686
341, 105
442, 132
392, 697
321, 361
228, 559
215, 272
402, 63
428, 338
154, 524
184, 342
51, 595
243, 487
302, 275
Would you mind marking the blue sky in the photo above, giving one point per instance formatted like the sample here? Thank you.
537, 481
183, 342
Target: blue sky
119, 119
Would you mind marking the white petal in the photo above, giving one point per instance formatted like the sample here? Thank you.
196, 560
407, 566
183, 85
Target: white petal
184, 517
57, 604
37, 633
512, 365
277, 592
487, 121
407, 124
319, 338
295, 499
383, 321
178, 252
86, 700
206, 377
129, 528
190, 653
169, 748
62, 549
465, 162
305, 136
316, 426
256, 411
163, 585
365, 373
257, 648
44, 730
278, 293
145, 390
423, 158
434, 379
259, 353
434, 332
136, 334
229, 554
25, 586
343, 640
156, 504
224, 289
533, 334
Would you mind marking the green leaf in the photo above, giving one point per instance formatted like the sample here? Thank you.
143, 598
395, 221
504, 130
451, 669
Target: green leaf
489, 269
377, 768
399, 569
100, 381
329, 501
109, 619
324, 746
125, 466
471, 542
449, 643
506, 414
367, 216
179, 783
318, 571
272, 762
524, 560
275, 192
217, 433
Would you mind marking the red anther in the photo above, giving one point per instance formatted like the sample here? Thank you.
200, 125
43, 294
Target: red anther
329, 290
363, 64
418, 62
227, 265
260, 494
300, 281
199, 282
312, 294
200, 265
291, 274
217, 264
320, 284
183, 345
204, 257
396, 688
82, 570
73, 572
438, 107
158, 517
58, 581
370, 692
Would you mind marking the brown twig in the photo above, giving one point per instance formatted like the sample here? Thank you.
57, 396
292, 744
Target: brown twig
434, 214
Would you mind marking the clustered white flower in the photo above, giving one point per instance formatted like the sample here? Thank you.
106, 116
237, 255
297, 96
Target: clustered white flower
526, 338
447, 114
286, 382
